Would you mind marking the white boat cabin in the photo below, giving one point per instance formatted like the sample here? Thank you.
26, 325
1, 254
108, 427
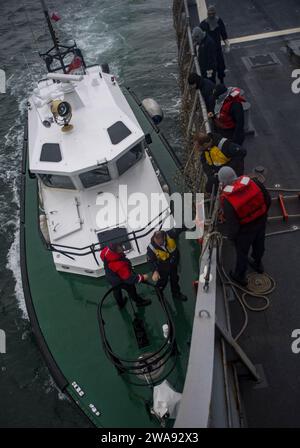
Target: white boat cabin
84, 141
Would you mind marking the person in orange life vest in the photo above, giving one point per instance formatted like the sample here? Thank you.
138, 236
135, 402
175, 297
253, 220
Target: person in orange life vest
216, 152
119, 273
163, 255
228, 113
245, 204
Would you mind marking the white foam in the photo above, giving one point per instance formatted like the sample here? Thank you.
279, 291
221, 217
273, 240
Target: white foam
50, 386
13, 141
13, 264
173, 109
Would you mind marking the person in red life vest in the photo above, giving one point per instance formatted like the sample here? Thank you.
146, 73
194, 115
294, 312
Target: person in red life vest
215, 152
245, 204
228, 112
119, 273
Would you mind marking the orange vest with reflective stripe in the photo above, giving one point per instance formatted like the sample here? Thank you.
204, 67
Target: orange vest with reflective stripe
246, 198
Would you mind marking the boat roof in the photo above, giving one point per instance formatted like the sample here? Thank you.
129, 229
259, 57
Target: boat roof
104, 126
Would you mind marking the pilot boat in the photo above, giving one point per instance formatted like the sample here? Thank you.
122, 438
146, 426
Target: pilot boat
88, 146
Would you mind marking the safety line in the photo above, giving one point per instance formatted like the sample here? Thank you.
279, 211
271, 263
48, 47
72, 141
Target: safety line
268, 35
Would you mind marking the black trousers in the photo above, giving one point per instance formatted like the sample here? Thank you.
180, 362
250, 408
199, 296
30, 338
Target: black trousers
255, 238
130, 289
165, 275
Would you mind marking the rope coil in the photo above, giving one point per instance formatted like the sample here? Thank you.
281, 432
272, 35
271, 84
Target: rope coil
259, 285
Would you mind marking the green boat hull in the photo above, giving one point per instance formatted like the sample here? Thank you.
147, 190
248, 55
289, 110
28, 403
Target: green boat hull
63, 312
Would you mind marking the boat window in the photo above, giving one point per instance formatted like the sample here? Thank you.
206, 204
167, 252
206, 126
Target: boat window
118, 132
116, 235
97, 176
57, 181
50, 153
130, 158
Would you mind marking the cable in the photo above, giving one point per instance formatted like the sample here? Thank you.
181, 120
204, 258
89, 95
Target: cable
286, 190
283, 232
226, 280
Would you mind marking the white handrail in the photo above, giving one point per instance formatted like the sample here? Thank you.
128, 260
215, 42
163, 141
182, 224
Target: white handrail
194, 407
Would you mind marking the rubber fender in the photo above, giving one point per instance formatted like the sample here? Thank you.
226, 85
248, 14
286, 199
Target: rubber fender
153, 109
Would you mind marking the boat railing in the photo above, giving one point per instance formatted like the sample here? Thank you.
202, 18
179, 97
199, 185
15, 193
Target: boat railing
93, 249
194, 117
152, 367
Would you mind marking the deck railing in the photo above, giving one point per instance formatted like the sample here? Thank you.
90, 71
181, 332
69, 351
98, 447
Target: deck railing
211, 336
194, 116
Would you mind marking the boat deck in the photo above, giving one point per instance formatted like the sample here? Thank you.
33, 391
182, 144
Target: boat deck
275, 145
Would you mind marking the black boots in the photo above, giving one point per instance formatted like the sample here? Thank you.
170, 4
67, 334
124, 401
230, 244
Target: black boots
179, 296
122, 303
139, 301
256, 266
242, 281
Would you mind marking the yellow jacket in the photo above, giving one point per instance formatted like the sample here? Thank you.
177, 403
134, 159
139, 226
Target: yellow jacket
161, 254
215, 157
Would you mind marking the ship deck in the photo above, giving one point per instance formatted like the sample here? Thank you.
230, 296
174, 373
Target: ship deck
275, 146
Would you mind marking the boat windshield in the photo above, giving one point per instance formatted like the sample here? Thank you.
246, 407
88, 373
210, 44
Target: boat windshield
94, 177
130, 158
57, 181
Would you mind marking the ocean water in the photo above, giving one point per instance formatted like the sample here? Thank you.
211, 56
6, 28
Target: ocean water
137, 39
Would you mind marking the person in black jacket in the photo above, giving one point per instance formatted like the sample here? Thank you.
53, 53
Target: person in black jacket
226, 110
215, 28
216, 152
163, 255
206, 87
245, 203
206, 52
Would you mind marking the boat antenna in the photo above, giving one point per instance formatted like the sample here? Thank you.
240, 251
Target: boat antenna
53, 36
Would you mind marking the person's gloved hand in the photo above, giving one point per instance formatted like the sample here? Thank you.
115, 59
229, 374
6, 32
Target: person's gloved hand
209, 73
155, 276
227, 46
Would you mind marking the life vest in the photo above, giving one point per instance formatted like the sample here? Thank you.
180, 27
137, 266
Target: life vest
215, 156
117, 267
246, 198
161, 254
223, 117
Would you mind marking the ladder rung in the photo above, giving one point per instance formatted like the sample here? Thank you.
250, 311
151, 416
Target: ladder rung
282, 206
273, 218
